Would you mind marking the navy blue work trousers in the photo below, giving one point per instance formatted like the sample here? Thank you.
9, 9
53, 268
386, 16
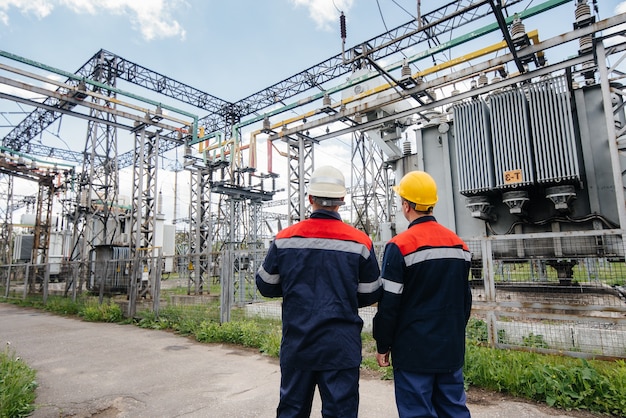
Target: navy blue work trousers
439, 395
339, 392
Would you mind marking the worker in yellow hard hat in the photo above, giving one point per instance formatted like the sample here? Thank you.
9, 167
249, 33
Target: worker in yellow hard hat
419, 190
324, 269
425, 307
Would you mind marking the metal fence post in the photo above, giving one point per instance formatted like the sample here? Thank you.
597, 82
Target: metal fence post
26, 276
6, 291
490, 289
132, 291
227, 287
156, 282
46, 282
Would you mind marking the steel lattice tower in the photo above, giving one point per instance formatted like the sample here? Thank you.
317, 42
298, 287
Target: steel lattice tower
99, 181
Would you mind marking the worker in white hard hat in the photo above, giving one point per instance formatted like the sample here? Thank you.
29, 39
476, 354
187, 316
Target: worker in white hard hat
425, 307
324, 269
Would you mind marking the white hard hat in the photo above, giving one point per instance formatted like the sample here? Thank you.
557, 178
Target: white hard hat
327, 181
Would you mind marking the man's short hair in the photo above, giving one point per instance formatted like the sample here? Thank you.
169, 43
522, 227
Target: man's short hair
413, 206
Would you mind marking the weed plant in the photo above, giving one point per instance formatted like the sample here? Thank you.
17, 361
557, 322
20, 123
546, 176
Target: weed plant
106, 312
17, 386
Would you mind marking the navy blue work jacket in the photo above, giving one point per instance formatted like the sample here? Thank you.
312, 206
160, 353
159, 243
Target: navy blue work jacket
426, 301
324, 270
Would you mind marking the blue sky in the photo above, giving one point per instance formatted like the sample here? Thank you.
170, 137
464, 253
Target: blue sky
228, 48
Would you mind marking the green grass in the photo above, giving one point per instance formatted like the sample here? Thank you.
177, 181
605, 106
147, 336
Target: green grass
562, 382
17, 386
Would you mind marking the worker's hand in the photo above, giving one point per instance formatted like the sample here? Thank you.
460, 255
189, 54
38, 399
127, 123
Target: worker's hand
383, 359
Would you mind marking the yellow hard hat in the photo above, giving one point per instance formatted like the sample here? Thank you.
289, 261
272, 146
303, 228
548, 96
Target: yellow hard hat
418, 187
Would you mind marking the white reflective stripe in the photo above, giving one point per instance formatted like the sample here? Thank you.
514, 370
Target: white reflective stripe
268, 278
327, 180
392, 287
437, 254
369, 287
324, 244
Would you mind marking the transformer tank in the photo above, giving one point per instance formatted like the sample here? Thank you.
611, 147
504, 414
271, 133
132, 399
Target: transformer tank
531, 159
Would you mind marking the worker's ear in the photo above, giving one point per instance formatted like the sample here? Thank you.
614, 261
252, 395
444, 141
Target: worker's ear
405, 206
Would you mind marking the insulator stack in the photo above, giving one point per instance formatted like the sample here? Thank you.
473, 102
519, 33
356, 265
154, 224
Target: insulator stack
517, 28
326, 100
482, 79
406, 69
406, 148
342, 23
583, 18
583, 11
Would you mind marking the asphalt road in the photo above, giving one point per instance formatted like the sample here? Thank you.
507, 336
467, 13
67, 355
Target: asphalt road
106, 370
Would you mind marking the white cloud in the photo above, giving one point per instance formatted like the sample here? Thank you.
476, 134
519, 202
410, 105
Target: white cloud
40, 8
325, 13
28, 94
620, 8
152, 18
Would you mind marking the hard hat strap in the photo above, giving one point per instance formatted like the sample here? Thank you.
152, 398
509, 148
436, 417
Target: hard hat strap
326, 202
328, 180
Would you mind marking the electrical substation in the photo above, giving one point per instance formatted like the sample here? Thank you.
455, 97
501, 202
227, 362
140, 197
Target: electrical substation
523, 132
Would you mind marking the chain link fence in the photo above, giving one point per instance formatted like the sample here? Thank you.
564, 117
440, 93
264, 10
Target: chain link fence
553, 293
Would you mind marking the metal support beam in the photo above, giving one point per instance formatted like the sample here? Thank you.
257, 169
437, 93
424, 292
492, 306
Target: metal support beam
615, 138
6, 217
144, 210
300, 168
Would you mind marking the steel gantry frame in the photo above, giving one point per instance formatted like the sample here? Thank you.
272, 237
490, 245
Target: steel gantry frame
226, 118
442, 20
94, 215
52, 108
50, 180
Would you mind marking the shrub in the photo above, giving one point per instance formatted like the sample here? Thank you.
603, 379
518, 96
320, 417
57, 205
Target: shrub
62, 306
106, 312
265, 336
245, 333
476, 330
